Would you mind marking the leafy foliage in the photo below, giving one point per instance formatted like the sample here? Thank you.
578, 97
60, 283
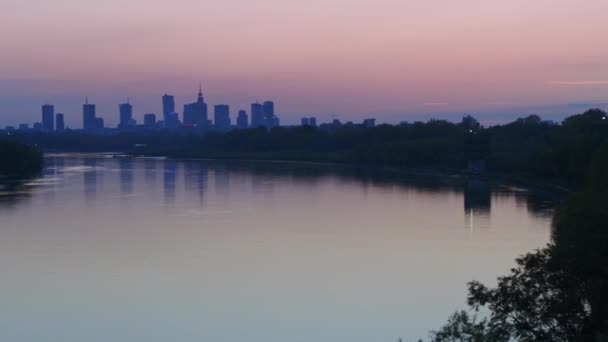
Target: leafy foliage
18, 159
559, 293
465, 327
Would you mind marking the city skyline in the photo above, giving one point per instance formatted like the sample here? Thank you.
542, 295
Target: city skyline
195, 115
393, 60
112, 107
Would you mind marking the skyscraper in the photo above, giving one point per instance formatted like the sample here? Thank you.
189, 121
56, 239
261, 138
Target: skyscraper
98, 124
312, 121
222, 117
242, 120
305, 121
48, 117
149, 120
168, 106
59, 123
257, 115
126, 115
196, 113
88, 116
172, 121
268, 109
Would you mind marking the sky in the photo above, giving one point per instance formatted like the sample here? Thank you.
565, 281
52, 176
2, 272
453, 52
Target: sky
395, 60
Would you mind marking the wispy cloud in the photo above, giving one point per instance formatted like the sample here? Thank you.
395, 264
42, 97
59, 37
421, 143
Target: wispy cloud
580, 83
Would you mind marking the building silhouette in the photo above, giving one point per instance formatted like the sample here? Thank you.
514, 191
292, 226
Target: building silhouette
172, 121
196, 113
369, 123
149, 120
88, 116
222, 117
311, 121
269, 117
168, 106
59, 123
257, 115
48, 117
126, 115
98, 124
242, 121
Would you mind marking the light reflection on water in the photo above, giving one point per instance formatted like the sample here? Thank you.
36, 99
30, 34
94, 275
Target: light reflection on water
104, 249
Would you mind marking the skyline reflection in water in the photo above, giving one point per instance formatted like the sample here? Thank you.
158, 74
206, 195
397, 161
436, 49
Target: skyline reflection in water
116, 249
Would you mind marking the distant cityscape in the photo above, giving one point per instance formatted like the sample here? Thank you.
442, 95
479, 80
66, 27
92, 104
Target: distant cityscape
195, 117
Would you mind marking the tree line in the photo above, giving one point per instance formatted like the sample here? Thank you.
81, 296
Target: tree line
17, 160
526, 147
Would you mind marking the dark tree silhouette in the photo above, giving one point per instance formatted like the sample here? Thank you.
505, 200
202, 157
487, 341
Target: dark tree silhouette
559, 293
19, 160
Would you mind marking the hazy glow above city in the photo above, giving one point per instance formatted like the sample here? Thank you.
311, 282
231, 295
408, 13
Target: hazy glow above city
393, 60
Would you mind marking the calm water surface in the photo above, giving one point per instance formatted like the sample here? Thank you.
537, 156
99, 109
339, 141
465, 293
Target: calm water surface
110, 249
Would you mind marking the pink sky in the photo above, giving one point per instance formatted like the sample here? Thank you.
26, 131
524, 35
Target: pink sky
379, 58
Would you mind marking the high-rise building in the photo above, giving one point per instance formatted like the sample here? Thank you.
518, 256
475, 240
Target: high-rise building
168, 106
312, 121
99, 124
268, 109
24, 127
242, 121
172, 121
126, 115
305, 121
59, 123
196, 113
149, 120
88, 116
369, 123
222, 117
257, 115
48, 117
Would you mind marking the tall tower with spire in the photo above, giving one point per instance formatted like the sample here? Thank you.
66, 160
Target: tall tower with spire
195, 113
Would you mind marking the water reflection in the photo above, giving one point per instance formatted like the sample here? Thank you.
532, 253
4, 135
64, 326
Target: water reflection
169, 177
222, 182
260, 177
90, 179
150, 172
477, 204
196, 174
13, 191
126, 175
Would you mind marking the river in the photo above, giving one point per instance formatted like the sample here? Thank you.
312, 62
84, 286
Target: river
123, 249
